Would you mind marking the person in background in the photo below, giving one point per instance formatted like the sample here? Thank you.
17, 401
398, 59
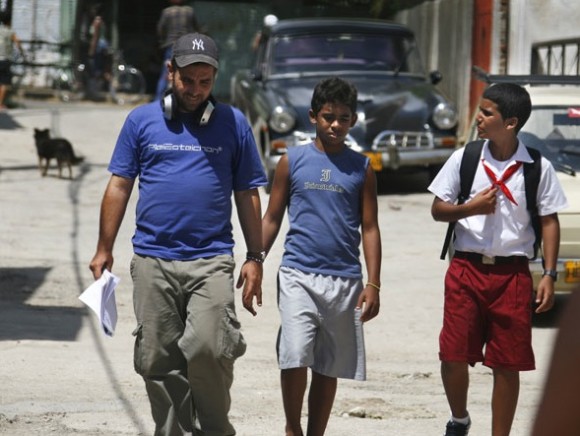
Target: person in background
489, 293
269, 21
191, 154
8, 40
176, 20
330, 192
98, 54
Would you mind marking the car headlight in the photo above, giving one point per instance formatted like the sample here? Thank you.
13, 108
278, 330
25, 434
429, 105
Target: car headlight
445, 116
281, 120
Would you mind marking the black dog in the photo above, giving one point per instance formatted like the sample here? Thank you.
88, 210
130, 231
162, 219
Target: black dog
54, 148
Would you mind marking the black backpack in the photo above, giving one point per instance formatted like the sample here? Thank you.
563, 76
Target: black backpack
532, 172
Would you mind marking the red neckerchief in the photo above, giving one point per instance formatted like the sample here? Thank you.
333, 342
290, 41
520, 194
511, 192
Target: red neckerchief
500, 183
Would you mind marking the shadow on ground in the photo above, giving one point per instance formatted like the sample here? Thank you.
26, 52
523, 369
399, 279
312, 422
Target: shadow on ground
7, 122
22, 321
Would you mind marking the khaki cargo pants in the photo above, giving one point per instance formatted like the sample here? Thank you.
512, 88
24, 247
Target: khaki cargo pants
186, 341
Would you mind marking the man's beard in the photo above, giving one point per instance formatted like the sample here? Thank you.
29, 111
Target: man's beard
184, 104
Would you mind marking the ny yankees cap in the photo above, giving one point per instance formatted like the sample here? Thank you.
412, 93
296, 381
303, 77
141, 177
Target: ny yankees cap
193, 48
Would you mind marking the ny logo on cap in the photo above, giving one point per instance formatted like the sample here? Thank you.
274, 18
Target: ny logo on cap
197, 44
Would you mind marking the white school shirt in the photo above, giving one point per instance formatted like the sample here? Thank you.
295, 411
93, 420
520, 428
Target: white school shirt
508, 231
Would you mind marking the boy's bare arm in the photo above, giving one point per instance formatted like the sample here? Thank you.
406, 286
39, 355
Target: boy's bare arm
483, 203
550, 247
372, 251
272, 219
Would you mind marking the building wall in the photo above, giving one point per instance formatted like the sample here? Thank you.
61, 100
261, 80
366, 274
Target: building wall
443, 32
536, 21
39, 20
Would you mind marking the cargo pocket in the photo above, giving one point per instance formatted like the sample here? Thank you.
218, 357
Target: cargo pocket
138, 349
132, 266
231, 344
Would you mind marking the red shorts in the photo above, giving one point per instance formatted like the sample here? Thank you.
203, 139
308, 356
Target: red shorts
488, 306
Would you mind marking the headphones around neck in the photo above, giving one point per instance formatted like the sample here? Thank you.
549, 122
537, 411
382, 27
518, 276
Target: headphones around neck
201, 115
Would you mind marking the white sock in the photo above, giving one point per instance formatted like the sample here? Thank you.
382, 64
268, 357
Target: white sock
463, 421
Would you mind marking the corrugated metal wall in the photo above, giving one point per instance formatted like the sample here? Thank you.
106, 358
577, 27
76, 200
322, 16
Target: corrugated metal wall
38, 20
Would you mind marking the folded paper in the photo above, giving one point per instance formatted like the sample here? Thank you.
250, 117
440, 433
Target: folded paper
100, 298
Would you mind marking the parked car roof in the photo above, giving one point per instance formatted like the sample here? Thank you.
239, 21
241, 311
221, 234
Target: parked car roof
323, 25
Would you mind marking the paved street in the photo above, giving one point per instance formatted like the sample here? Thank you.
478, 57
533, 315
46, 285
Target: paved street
60, 375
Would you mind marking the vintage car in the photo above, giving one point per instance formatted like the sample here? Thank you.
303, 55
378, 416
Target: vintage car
554, 129
403, 120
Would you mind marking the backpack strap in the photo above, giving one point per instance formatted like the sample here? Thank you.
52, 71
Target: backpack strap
532, 173
467, 170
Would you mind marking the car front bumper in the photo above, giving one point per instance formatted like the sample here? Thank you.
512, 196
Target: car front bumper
394, 157
390, 150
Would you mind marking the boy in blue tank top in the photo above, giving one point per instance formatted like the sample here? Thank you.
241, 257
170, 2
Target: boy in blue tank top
330, 192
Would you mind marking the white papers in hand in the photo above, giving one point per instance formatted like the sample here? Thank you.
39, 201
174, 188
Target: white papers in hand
100, 298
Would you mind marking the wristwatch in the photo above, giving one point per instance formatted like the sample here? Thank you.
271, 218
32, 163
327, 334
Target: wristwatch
259, 256
552, 273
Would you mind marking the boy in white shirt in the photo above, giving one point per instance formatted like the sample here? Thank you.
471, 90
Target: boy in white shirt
488, 286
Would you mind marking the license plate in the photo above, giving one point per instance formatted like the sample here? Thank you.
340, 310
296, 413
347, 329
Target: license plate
572, 269
376, 160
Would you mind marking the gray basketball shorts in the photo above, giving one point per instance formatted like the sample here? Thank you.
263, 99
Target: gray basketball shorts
320, 324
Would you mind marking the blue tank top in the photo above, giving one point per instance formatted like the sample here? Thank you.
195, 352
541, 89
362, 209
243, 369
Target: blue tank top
324, 211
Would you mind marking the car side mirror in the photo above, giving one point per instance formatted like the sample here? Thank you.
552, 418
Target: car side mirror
435, 77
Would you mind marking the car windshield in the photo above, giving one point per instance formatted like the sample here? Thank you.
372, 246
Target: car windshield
555, 131
344, 51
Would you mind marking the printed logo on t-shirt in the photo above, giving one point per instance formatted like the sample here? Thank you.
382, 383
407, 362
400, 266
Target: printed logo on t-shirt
324, 185
185, 147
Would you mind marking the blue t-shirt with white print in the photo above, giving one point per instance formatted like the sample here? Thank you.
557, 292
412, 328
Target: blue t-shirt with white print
186, 174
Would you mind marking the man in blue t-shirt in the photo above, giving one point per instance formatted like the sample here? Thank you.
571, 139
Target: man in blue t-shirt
189, 153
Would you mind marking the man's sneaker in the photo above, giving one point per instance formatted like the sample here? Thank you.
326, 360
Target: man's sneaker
456, 429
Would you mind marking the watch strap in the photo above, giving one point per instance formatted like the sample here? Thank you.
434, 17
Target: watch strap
551, 273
